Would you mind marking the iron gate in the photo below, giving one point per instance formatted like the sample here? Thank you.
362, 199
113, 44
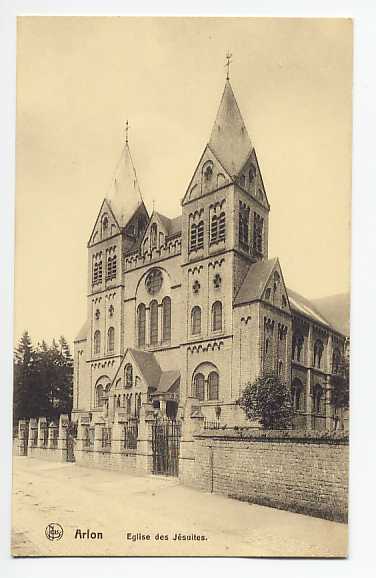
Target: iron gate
71, 437
165, 445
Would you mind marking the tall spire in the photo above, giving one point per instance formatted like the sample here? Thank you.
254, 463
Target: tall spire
229, 139
125, 194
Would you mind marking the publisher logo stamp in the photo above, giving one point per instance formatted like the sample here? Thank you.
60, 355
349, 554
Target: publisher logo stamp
54, 531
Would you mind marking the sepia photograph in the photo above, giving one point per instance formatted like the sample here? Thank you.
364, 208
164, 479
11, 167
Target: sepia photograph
182, 286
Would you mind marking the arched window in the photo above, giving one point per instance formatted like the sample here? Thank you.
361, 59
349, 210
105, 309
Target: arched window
317, 353
252, 174
110, 339
138, 405
100, 396
153, 236
166, 308
128, 372
258, 227
153, 323
193, 236
104, 226
297, 346
214, 229
217, 316
222, 227
97, 342
111, 267
336, 361
297, 395
199, 387
213, 386
200, 235
141, 325
318, 399
243, 225
196, 320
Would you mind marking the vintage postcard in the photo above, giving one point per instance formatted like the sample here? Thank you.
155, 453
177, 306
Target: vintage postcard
182, 286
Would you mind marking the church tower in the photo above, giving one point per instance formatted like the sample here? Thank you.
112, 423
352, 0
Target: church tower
119, 228
224, 231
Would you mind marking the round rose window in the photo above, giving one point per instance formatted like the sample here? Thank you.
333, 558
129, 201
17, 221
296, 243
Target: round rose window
154, 281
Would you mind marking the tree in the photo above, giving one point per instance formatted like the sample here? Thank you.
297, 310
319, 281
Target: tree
268, 400
43, 379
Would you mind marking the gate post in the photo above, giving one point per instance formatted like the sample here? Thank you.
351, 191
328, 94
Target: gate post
144, 455
51, 436
33, 428
62, 437
117, 438
82, 427
42, 424
98, 427
193, 421
22, 437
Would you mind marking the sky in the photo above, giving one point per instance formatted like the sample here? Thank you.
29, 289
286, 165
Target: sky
80, 78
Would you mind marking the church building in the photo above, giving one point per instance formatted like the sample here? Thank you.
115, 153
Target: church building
193, 306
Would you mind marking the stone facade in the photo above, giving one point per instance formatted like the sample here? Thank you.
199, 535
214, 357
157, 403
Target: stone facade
193, 306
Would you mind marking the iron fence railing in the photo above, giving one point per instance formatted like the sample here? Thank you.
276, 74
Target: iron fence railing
130, 436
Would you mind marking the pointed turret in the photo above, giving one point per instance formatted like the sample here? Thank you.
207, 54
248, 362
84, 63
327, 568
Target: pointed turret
125, 195
229, 138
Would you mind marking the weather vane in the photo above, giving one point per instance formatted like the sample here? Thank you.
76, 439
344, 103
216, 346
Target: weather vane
126, 132
227, 65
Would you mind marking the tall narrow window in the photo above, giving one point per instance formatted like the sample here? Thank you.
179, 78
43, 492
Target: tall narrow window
193, 236
141, 324
214, 229
111, 267
196, 320
217, 316
318, 406
153, 323
222, 227
129, 404
97, 342
153, 235
111, 340
97, 272
258, 227
138, 405
100, 396
128, 372
199, 387
166, 307
200, 235
317, 353
213, 386
243, 225
297, 395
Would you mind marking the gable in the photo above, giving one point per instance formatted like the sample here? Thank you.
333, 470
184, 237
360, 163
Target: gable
275, 292
144, 364
209, 176
106, 225
250, 180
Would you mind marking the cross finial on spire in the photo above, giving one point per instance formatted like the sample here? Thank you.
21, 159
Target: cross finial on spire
227, 65
126, 132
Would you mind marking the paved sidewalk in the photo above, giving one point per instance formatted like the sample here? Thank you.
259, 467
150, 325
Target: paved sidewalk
115, 504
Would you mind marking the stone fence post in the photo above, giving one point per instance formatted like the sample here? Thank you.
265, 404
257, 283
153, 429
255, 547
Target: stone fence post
98, 425
117, 441
42, 425
144, 456
33, 427
22, 437
193, 422
82, 432
51, 436
62, 439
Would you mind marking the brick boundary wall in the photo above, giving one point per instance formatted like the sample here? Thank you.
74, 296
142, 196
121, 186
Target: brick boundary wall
300, 471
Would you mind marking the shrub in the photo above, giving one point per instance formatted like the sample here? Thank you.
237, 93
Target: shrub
268, 400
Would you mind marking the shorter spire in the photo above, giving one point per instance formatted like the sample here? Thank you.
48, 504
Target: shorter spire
227, 65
